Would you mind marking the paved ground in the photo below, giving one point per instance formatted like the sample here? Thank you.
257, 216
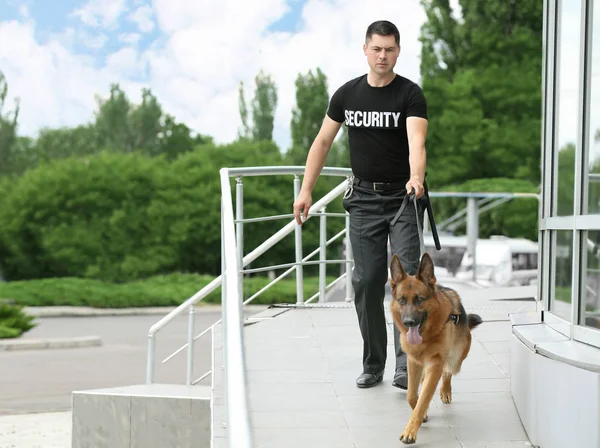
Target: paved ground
43, 430
302, 390
36, 385
42, 380
310, 365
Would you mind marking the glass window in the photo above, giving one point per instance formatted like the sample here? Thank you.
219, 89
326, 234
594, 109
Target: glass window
563, 276
591, 279
567, 105
593, 178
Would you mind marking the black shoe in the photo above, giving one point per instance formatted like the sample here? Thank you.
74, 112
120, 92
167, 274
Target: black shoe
401, 378
369, 379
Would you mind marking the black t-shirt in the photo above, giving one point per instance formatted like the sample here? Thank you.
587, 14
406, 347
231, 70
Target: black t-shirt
376, 121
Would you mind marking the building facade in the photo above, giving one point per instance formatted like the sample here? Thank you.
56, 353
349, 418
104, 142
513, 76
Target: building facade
555, 353
570, 202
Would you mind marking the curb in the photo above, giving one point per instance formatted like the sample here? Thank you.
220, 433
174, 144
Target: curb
41, 344
85, 311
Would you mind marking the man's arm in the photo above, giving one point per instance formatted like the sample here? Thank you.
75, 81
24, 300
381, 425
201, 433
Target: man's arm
318, 152
314, 164
416, 128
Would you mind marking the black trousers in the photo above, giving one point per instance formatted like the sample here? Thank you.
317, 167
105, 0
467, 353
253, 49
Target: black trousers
371, 213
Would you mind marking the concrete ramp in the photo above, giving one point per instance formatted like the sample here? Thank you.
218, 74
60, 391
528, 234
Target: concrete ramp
302, 364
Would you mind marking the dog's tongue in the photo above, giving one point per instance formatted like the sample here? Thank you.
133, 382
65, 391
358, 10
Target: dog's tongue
413, 336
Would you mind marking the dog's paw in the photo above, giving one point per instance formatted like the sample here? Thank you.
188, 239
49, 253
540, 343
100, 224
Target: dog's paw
409, 435
425, 417
446, 396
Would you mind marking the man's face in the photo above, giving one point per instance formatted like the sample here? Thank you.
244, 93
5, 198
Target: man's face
382, 53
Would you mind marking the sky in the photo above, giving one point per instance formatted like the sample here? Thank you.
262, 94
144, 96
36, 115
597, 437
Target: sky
58, 56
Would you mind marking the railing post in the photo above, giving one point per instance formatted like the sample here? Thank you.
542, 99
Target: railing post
150, 360
472, 232
349, 288
298, 234
322, 255
190, 348
239, 230
223, 293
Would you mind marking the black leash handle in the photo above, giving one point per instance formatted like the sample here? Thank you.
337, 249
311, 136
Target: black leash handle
427, 203
434, 232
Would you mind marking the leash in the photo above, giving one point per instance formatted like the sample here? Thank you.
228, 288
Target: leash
425, 200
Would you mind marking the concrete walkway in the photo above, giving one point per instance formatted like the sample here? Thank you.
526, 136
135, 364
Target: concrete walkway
302, 366
303, 363
43, 430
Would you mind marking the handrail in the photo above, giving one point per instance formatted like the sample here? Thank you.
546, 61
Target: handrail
289, 227
292, 169
249, 258
263, 289
239, 432
256, 253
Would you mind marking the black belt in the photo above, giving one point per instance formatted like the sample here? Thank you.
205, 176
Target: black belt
380, 186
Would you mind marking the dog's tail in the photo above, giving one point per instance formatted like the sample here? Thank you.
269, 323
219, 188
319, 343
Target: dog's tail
474, 320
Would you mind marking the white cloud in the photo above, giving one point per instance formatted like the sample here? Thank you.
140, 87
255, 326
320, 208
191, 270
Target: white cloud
142, 17
93, 41
206, 48
56, 87
130, 38
103, 13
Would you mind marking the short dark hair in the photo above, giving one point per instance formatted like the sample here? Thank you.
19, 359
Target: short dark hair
383, 28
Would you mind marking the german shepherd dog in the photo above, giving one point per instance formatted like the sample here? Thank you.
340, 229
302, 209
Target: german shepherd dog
435, 333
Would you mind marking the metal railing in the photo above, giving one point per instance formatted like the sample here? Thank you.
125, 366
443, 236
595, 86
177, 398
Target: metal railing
230, 281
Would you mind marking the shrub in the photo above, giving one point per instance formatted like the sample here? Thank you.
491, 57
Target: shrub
13, 321
164, 290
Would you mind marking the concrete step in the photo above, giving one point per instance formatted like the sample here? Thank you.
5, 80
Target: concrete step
142, 415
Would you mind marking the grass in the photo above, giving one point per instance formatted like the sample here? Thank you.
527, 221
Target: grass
164, 290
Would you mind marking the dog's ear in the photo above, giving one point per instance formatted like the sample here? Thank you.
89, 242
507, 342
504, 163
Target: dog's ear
397, 272
425, 272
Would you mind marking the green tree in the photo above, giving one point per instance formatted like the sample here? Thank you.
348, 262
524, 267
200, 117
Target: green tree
312, 99
481, 76
244, 132
87, 217
23, 155
126, 127
264, 106
147, 124
113, 121
8, 129
59, 143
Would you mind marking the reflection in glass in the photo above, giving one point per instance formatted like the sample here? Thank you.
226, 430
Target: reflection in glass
563, 280
591, 283
568, 71
593, 179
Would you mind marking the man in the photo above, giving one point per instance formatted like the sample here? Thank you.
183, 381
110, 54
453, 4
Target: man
386, 116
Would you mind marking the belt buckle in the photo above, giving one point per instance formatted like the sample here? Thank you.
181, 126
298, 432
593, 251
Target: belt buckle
378, 183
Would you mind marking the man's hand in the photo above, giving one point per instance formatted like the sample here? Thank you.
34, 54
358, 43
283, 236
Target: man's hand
415, 184
302, 205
